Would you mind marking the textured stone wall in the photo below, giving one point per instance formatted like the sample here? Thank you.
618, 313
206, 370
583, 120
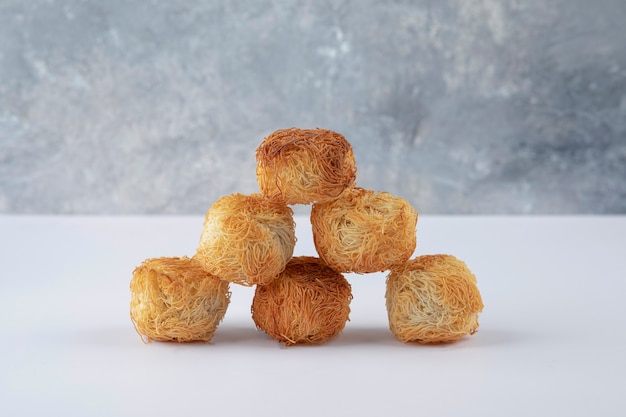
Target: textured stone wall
460, 106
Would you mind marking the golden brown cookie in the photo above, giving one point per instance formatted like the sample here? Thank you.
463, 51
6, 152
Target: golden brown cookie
247, 239
308, 303
301, 166
175, 299
364, 231
432, 299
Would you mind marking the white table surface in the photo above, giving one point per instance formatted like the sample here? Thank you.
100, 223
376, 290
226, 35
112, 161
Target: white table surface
551, 339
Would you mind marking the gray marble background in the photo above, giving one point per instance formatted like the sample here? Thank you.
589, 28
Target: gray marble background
460, 106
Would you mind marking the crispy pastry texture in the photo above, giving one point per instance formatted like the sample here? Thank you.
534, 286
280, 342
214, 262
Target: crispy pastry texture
432, 299
175, 299
308, 303
364, 231
301, 166
247, 239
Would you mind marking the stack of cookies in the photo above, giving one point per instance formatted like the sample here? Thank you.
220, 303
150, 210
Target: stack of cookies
249, 240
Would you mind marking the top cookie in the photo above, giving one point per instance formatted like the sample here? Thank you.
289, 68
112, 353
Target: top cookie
302, 166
